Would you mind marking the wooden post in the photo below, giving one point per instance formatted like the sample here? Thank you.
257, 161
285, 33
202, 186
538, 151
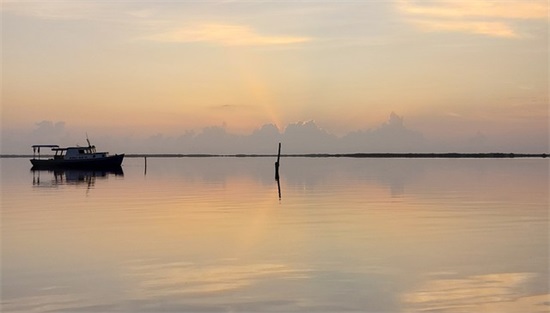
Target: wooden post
277, 171
277, 163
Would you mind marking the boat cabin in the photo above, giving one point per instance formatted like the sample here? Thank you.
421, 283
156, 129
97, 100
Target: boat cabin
72, 153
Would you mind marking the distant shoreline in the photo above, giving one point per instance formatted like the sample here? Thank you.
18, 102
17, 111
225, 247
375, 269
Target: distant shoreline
330, 155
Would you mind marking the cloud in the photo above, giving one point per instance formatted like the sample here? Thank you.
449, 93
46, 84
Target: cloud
490, 18
394, 135
233, 107
494, 29
510, 9
49, 128
53, 10
225, 35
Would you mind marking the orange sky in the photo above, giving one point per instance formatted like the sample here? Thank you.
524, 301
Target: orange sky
143, 68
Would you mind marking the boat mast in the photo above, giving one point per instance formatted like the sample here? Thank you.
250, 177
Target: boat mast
92, 148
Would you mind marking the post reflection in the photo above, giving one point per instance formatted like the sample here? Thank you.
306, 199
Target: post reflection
279, 187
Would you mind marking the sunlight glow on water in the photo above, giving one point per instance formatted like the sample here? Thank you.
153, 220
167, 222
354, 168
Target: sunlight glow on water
211, 235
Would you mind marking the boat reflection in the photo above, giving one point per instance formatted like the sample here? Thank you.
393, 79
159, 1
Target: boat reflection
71, 176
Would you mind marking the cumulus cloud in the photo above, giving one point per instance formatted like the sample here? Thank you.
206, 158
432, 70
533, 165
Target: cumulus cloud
297, 138
391, 136
49, 129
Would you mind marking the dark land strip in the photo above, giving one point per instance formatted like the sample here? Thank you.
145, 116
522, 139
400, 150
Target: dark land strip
330, 155
358, 155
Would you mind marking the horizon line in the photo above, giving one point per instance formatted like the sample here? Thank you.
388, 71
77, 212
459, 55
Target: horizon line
411, 155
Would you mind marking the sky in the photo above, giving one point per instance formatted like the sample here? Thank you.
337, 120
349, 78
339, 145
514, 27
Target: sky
175, 76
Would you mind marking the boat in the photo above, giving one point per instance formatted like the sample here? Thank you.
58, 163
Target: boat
75, 158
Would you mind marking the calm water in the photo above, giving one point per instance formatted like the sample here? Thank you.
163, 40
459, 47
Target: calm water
212, 235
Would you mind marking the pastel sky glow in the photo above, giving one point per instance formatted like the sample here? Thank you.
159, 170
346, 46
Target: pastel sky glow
453, 70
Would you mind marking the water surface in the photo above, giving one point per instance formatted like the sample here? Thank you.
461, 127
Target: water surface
212, 235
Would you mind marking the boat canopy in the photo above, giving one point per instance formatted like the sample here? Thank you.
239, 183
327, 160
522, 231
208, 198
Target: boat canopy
61, 151
36, 148
44, 146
